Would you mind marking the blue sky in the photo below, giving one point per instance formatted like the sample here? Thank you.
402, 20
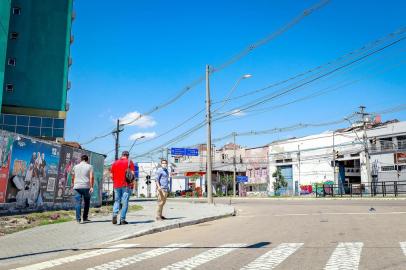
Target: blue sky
130, 56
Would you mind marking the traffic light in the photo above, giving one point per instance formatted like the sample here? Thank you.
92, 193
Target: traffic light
336, 154
148, 177
374, 140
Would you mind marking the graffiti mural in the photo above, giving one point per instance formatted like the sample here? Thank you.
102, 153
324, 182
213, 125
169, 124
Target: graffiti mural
69, 157
32, 174
6, 143
97, 161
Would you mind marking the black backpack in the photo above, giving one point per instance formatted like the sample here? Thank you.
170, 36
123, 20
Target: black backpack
129, 175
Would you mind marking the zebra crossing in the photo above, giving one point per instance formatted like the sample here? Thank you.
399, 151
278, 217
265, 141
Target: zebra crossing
346, 255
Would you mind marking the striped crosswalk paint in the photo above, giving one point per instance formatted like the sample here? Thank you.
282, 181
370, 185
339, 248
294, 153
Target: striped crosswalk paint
204, 257
345, 256
403, 246
73, 258
124, 262
274, 257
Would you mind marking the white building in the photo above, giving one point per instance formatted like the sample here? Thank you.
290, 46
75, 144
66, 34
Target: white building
308, 160
147, 172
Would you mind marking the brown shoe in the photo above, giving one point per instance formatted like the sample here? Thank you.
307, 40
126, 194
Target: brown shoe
162, 217
158, 218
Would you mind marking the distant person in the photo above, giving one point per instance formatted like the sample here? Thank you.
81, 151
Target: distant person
162, 184
82, 182
121, 186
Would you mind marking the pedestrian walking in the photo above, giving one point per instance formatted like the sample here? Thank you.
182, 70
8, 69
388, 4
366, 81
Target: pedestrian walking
121, 170
162, 183
82, 182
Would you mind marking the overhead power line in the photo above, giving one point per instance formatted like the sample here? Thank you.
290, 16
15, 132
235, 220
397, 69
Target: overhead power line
228, 62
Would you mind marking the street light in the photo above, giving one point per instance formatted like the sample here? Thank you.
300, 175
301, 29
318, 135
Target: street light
139, 138
226, 99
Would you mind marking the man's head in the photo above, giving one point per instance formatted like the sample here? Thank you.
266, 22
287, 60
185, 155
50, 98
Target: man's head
84, 158
125, 154
164, 163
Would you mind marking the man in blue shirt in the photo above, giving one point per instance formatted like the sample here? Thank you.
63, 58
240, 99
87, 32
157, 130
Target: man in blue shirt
162, 185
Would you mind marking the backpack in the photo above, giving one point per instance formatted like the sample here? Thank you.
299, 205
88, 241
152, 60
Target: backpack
129, 176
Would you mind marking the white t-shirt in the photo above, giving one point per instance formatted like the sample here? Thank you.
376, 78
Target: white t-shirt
81, 172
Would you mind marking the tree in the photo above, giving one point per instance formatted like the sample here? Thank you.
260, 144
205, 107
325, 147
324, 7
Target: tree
280, 181
225, 181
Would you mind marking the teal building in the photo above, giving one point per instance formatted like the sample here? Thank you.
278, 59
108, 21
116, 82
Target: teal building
35, 39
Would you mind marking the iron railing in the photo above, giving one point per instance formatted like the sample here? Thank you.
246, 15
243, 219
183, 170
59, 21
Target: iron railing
373, 189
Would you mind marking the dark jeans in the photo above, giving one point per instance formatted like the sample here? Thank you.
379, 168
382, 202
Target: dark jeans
79, 193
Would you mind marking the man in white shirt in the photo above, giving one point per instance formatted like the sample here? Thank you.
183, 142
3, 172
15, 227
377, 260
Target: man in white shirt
82, 182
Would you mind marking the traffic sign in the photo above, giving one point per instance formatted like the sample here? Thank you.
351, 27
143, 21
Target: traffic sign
192, 152
242, 179
184, 152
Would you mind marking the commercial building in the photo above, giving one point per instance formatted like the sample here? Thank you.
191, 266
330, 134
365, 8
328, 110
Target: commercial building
35, 39
342, 156
257, 170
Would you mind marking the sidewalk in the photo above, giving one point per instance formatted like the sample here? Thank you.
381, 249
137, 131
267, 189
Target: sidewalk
48, 240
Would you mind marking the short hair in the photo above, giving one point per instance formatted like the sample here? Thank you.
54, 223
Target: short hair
162, 160
84, 158
125, 154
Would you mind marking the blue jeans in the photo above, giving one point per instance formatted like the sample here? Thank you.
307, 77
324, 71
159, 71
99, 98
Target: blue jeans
79, 193
121, 195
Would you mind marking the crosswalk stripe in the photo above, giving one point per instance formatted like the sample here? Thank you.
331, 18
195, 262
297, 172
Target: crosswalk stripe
73, 258
345, 256
124, 262
403, 246
274, 257
204, 257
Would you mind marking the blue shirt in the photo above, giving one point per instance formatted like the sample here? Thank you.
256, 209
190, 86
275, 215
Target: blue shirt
162, 177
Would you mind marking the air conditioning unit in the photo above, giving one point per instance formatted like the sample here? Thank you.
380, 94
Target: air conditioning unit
67, 106
70, 61
69, 85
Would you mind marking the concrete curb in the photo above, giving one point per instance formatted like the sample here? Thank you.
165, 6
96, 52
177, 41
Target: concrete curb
171, 226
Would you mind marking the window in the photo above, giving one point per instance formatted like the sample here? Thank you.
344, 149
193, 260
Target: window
10, 119
11, 61
13, 35
47, 122
22, 120
59, 123
35, 132
35, 122
58, 132
9, 87
22, 130
16, 11
46, 132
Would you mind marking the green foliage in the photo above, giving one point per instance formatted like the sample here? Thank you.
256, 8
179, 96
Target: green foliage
280, 181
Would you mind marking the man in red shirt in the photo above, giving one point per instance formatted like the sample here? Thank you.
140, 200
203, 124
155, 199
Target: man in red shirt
120, 185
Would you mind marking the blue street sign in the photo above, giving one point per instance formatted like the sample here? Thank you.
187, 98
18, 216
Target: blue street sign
178, 151
242, 179
184, 152
192, 152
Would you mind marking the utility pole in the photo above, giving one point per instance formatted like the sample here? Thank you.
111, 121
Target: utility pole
208, 146
235, 166
117, 134
334, 160
298, 160
365, 139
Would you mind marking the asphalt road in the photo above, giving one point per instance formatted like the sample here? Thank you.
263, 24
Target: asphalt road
266, 234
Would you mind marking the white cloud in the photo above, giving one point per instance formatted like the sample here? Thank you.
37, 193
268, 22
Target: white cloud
144, 121
238, 113
148, 135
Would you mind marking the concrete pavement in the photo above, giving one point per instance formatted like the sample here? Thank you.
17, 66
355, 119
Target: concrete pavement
265, 234
47, 241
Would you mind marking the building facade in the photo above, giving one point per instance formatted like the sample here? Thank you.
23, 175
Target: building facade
340, 157
34, 66
257, 170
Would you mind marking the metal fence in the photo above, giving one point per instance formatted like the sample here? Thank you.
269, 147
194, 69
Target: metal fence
384, 189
